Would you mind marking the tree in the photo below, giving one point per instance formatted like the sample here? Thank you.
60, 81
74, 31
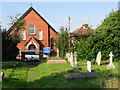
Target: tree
16, 24
106, 39
62, 42
9, 46
9, 42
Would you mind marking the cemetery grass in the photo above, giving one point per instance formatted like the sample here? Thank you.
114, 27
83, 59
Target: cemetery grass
51, 76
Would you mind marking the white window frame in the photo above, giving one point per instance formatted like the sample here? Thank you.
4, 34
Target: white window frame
23, 35
31, 28
40, 35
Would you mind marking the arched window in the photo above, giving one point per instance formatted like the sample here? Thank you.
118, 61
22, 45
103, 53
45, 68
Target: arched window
31, 29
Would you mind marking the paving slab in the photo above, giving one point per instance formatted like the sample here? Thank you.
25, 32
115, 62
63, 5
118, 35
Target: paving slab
81, 75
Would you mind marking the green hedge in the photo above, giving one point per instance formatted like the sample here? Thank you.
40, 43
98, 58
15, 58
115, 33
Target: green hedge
106, 39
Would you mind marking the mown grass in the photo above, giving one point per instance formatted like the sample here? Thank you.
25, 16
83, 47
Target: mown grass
51, 76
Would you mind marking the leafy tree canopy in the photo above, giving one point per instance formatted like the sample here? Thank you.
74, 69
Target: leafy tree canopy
106, 39
9, 42
16, 24
62, 41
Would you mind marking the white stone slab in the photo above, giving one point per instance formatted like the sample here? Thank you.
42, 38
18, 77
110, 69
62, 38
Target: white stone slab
89, 66
1, 76
75, 58
98, 58
71, 59
68, 57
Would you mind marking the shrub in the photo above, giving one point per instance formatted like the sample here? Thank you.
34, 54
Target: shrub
9, 46
106, 39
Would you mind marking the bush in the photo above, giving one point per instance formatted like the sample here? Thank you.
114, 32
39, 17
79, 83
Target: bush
9, 46
10, 41
62, 42
106, 39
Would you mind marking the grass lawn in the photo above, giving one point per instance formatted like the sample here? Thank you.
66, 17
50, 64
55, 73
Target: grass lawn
51, 76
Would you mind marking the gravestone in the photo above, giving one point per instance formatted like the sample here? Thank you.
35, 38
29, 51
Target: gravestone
98, 58
75, 58
111, 65
57, 52
81, 75
2, 76
68, 57
89, 66
75, 67
71, 59
56, 61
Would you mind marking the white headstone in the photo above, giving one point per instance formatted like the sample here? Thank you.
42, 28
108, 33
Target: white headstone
75, 58
68, 57
57, 52
98, 58
89, 66
2, 76
111, 65
71, 59
111, 55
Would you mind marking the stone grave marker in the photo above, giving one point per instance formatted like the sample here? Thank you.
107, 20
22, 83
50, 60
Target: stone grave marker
98, 58
75, 58
75, 67
81, 75
68, 57
111, 55
89, 66
111, 65
56, 61
2, 76
71, 59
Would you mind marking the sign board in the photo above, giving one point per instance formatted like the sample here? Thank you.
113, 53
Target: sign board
46, 50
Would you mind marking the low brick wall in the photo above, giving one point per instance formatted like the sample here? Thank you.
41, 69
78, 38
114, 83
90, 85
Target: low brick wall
56, 61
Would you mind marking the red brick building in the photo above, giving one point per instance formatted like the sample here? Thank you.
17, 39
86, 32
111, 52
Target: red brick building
38, 33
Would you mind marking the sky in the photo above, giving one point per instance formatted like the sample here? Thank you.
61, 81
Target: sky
56, 13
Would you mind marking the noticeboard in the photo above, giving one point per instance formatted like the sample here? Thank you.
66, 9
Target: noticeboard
46, 50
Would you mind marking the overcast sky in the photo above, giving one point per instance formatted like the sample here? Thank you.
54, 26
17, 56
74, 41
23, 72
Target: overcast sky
56, 13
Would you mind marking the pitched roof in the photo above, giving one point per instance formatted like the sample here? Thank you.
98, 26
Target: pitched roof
30, 9
31, 39
85, 30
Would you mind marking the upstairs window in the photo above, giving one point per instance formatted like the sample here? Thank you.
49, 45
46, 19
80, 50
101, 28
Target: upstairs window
40, 35
23, 35
31, 29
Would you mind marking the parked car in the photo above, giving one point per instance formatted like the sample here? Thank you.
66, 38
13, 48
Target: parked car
33, 55
45, 56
